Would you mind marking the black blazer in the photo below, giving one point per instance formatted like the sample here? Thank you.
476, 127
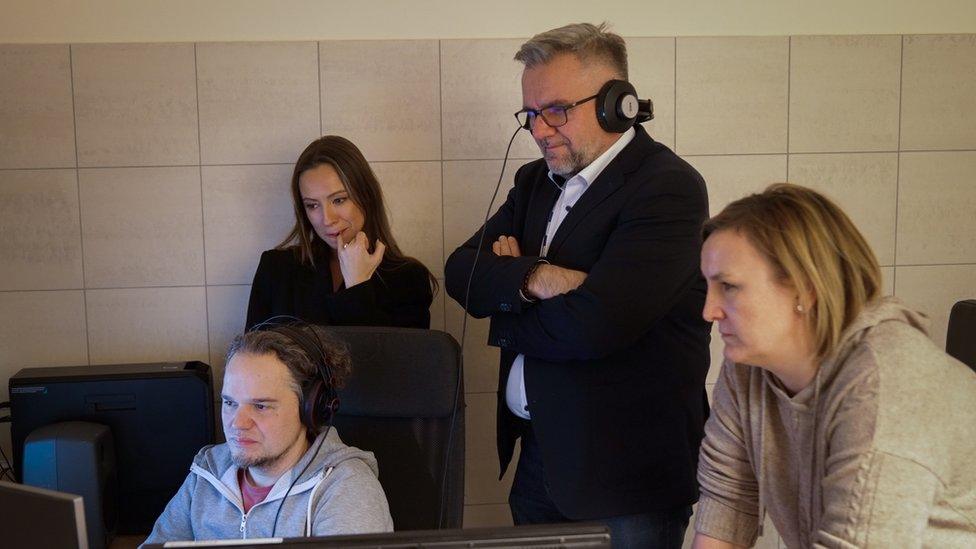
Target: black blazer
398, 296
615, 370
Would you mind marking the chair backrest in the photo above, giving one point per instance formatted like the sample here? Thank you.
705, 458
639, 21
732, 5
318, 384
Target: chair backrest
961, 336
405, 403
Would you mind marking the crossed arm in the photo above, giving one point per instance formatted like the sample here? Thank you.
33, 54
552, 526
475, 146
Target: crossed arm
547, 280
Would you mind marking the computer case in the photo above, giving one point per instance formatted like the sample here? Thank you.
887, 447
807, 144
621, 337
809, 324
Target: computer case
160, 415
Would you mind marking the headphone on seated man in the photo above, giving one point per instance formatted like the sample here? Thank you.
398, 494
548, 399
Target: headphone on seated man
319, 399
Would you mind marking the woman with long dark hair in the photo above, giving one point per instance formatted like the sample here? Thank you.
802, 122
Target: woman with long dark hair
340, 264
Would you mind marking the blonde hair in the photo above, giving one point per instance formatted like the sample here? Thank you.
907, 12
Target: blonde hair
813, 247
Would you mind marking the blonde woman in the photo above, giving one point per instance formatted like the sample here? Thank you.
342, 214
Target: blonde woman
834, 412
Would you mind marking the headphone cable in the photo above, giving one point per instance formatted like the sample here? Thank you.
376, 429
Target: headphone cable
464, 328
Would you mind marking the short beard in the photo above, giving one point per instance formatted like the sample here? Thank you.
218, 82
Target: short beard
572, 166
244, 462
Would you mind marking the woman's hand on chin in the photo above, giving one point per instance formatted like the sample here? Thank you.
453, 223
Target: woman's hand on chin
356, 262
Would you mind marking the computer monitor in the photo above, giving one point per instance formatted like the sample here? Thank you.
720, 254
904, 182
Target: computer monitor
549, 536
159, 415
35, 517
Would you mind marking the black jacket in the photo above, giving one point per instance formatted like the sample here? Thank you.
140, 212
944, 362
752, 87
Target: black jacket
614, 370
398, 296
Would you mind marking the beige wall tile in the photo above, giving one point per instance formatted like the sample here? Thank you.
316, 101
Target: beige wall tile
39, 329
936, 201
887, 281
844, 93
135, 104
384, 96
35, 107
487, 515
468, 187
481, 484
226, 310
246, 210
933, 290
147, 325
481, 86
732, 177
259, 102
412, 191
480, 360
731, 95
938, 106
865, 186
716, 348
651, 67
41, 244
142, 226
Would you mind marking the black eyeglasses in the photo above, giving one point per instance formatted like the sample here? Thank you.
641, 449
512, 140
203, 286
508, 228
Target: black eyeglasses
554, 116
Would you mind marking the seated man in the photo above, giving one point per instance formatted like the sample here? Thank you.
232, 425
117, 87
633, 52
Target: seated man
283, 471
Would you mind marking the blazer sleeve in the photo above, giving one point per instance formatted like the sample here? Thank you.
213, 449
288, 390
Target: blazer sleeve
496, 280
728, 508
409, 295
259, 303
648, 263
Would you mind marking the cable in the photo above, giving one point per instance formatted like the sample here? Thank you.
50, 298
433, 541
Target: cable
274, 526
464, 329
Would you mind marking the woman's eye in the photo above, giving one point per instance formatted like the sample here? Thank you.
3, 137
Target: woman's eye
727, 287
338, 201
310, 205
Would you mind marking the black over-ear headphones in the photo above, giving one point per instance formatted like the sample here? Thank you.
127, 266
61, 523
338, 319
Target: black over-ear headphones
320, 401
617, 107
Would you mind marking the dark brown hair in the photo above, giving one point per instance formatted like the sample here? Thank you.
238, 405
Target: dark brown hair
364, 190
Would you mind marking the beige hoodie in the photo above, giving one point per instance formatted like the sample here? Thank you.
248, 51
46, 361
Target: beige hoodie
879, 451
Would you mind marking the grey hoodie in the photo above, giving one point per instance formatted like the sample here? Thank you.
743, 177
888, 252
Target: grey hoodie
338, 493
879, 451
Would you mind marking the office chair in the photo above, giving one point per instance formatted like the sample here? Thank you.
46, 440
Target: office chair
399, 403
961, 336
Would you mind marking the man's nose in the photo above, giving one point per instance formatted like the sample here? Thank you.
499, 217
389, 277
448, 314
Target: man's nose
540, 128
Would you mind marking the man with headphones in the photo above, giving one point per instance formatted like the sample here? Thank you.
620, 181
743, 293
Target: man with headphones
283, 471
590, 274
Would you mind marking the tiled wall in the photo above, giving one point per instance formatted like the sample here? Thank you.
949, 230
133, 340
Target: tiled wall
139, 183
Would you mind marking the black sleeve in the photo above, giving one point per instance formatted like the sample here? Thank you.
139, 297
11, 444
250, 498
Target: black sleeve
400, 296
497, 279
259, 304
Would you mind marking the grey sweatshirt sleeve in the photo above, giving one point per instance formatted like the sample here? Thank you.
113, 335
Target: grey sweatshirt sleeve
353, 502
174, 523
728, 508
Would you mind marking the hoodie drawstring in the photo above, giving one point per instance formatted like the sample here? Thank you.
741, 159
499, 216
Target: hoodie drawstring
311, 496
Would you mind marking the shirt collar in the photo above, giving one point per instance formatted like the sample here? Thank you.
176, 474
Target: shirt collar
589, 174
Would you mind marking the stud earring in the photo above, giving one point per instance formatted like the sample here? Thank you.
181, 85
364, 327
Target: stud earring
799, 308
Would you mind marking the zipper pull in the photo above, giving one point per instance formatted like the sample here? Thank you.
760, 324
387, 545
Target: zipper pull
243, 524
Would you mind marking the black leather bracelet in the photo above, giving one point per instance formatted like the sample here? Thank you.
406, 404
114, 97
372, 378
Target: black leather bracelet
524, 290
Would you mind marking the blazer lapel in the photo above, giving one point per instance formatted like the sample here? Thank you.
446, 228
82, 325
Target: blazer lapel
539, 209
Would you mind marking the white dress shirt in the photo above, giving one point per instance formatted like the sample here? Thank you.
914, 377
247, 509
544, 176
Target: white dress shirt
571, 191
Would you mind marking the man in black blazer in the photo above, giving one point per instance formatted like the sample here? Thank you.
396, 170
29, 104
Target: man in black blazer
590, 274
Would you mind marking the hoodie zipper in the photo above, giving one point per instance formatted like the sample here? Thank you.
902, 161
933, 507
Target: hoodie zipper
244, 526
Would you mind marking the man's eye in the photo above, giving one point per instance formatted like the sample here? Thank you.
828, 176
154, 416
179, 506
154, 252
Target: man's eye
261, 406
728, 287
228, 402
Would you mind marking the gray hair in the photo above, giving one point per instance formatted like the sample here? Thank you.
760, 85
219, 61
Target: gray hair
585, 40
